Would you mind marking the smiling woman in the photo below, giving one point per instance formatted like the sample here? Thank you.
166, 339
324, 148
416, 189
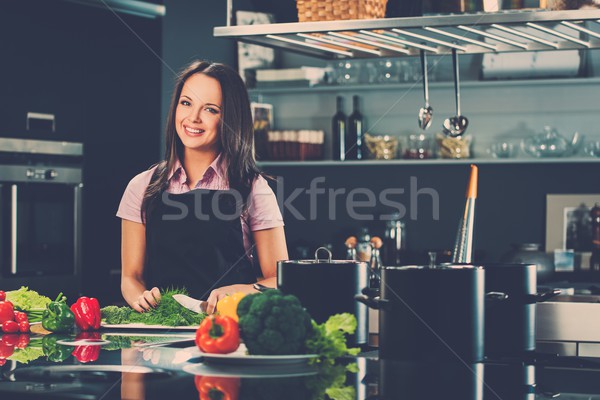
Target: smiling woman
198, 117
194, 219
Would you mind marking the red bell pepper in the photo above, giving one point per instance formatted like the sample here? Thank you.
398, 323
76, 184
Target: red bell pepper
87, 313
216, 387
218, 334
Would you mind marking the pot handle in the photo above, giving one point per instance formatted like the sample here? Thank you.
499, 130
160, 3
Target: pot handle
317, 259
371, 292
546, 393
545, 296
376, 303
495, 297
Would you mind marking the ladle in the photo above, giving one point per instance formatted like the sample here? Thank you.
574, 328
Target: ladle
456, 125
425, 113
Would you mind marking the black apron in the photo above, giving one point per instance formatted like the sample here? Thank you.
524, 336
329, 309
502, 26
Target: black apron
194, 240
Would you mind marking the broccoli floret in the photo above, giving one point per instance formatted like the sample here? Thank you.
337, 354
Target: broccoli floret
272, 323
116, 315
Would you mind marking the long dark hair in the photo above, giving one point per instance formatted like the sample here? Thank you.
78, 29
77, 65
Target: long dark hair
235, 134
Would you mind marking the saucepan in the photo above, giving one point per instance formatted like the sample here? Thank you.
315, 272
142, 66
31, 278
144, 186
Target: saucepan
326, 287
510, 325
431, 313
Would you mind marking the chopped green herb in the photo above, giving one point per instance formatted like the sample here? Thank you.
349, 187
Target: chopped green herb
168, 312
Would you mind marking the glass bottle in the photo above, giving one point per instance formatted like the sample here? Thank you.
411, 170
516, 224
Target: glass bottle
375, 263
338, 131
363, 247
394, 241
355, 132
595, 259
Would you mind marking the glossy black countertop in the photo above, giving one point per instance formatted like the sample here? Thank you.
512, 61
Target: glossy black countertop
134, 366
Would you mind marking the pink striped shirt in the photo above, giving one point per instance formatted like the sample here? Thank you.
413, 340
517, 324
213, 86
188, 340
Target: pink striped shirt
262, 212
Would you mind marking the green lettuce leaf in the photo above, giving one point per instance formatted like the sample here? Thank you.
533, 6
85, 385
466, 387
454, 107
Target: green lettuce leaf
329, 339
25, 299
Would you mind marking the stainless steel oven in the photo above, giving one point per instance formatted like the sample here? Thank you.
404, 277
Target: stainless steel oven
40, 214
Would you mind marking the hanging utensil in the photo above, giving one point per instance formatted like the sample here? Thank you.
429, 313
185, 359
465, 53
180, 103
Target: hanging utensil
463, 249
456, 125
425, 113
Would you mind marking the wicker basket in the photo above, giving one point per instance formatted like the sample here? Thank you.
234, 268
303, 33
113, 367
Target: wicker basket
334, 10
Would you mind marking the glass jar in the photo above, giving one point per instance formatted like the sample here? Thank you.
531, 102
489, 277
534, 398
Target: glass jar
348, 72
381, 147
453, 147
418, 147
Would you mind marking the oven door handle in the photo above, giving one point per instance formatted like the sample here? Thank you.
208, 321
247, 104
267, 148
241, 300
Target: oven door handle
77, 228
13, 229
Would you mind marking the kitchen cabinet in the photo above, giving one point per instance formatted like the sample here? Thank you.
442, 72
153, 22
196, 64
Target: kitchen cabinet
497, 110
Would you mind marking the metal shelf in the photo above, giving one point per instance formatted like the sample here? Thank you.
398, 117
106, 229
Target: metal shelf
511, 31
287, 90
435, 161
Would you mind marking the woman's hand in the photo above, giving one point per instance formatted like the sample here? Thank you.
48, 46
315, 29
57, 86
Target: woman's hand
147, 300
218, 294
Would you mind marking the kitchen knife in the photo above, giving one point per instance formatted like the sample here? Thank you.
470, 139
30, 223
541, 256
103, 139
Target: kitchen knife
198, 306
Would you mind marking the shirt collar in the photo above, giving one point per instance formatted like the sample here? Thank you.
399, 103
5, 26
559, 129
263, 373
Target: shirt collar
216, 166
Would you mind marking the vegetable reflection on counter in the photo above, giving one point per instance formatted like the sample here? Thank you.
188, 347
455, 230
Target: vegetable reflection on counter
328, 383
53, 351
20, 348
216, 387
89, 353
168, 312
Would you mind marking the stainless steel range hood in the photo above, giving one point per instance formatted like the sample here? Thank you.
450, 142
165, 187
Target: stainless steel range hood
132, 7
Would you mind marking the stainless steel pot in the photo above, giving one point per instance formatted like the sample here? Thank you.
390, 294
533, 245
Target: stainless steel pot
430, 313
326, 287
510, 325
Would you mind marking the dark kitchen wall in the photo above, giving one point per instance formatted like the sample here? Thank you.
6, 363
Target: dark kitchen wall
100, 75
510, 208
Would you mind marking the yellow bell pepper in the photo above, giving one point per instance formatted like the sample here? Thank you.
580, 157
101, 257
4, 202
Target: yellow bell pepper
228, 305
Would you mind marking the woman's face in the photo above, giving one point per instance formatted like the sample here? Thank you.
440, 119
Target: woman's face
198, 114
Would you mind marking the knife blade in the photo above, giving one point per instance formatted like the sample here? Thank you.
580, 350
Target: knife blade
198, 306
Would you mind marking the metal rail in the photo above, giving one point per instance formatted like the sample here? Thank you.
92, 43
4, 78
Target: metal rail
509, 31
